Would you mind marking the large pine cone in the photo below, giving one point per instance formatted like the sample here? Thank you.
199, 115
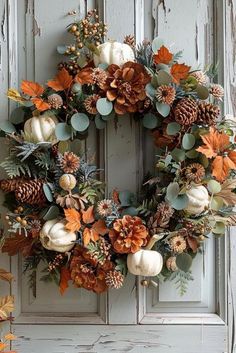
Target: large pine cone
186, 111
31, 192
207, 113
10, 185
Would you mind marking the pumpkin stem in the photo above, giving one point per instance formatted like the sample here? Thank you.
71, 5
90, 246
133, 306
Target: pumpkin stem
153, 240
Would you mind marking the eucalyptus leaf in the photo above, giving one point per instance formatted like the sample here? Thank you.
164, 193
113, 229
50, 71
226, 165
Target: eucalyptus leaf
80, 122
219, 228
63, 146
172, 191
188, 141
184, 261
213, 186
180, 202
48, 192
131, 211
76, 88
163, 78
51, 213
192, 154
61, 49
157, 43
63, 132
202, 92
7, 127
108, 117
178, 155
163, 109
173, 128
126, 198
150, 121
17, 116
100, 123
104, 106
216, 203
150, 90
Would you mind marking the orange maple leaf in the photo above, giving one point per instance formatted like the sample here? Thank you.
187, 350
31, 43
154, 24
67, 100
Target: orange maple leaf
179, 72
61, 81
73, 218
163, 56
84, 76
32, 89
100, 227
216, 145
88, 216
65, 277
90, 234
40, 104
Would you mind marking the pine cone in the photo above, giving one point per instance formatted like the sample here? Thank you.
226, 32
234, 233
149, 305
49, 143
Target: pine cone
207, 113
114, 279
31, 192
10, 185
186, 111
161, 218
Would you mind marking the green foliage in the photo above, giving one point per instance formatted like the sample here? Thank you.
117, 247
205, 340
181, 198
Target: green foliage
44, 160
147, 207
121, 266
93, 190
180, 279
15, 167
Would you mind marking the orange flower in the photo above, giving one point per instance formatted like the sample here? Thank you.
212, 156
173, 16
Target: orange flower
216, 145
163, 56
128, 235
179, 72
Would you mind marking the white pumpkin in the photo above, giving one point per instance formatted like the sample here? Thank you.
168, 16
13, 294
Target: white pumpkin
41, 128
198, 199
113, 53
145, 263
54, 236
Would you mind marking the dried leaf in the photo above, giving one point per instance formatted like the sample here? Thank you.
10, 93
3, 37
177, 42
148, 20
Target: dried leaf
192, 243
226, 193
65, 277
88, 216
14, 95
179, 72
5, 276
100, 227
40, 104
89, 234
3, 346
163, 56
73, 218
6, 306
62, 81
10, 337
84, 76
32, 89
18, 244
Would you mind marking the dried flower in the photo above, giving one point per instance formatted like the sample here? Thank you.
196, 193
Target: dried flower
217, 91
128, 234
90, 104
104, 207
72, 201
165, 94
161, 218
114, 279
130, 40
35, 227
99, 76
178, 244
55, 101
200, 76
195, 172
69, 162
171, 264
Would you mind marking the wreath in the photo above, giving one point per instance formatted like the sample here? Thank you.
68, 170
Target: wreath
57, 213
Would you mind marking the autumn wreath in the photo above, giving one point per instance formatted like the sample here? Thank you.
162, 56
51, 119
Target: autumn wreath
57, 213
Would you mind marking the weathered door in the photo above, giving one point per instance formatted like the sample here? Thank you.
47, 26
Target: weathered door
133, 319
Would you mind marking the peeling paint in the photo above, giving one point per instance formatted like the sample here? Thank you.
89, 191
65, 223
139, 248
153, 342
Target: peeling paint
162, 2
36, 28
196, 42
3, 24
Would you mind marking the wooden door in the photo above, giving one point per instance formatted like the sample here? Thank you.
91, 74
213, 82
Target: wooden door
134, 319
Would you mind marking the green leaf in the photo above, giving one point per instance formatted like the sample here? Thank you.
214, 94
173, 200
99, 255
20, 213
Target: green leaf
172, 191
219, 228
203, 160
202, 92
180, 202
48, 192
7, 127
216, 203
154, 81
63, 132
157, 43
192, 154
150, 121
213, 186
104, 106
76, 88
178, 155
100, 123
184, 261
80, 122
126, 198
188, 141
61, 49
17, 116
51, 213
163, 78
131, 211
173, 128
163, 109
150, 90
63, 146
109, 116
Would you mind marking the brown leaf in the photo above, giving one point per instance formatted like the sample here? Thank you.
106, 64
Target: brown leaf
163, 56
18, 244
100, 227
6, 306
73, 218
192, 243
88, 216
65, 277
5, 276
226, 193
40, 104
32, 89
179, 72
89, 234
62, 81
84, 76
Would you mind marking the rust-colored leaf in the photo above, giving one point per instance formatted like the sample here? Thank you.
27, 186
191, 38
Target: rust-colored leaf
100, 227
62, 81
88, 216
73, 218
163, 56
179, 72
3, 346
18, 243
10, 337
32, 89
65, 277
84, 76
40, 104
89, 234
192, 243
6, 276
